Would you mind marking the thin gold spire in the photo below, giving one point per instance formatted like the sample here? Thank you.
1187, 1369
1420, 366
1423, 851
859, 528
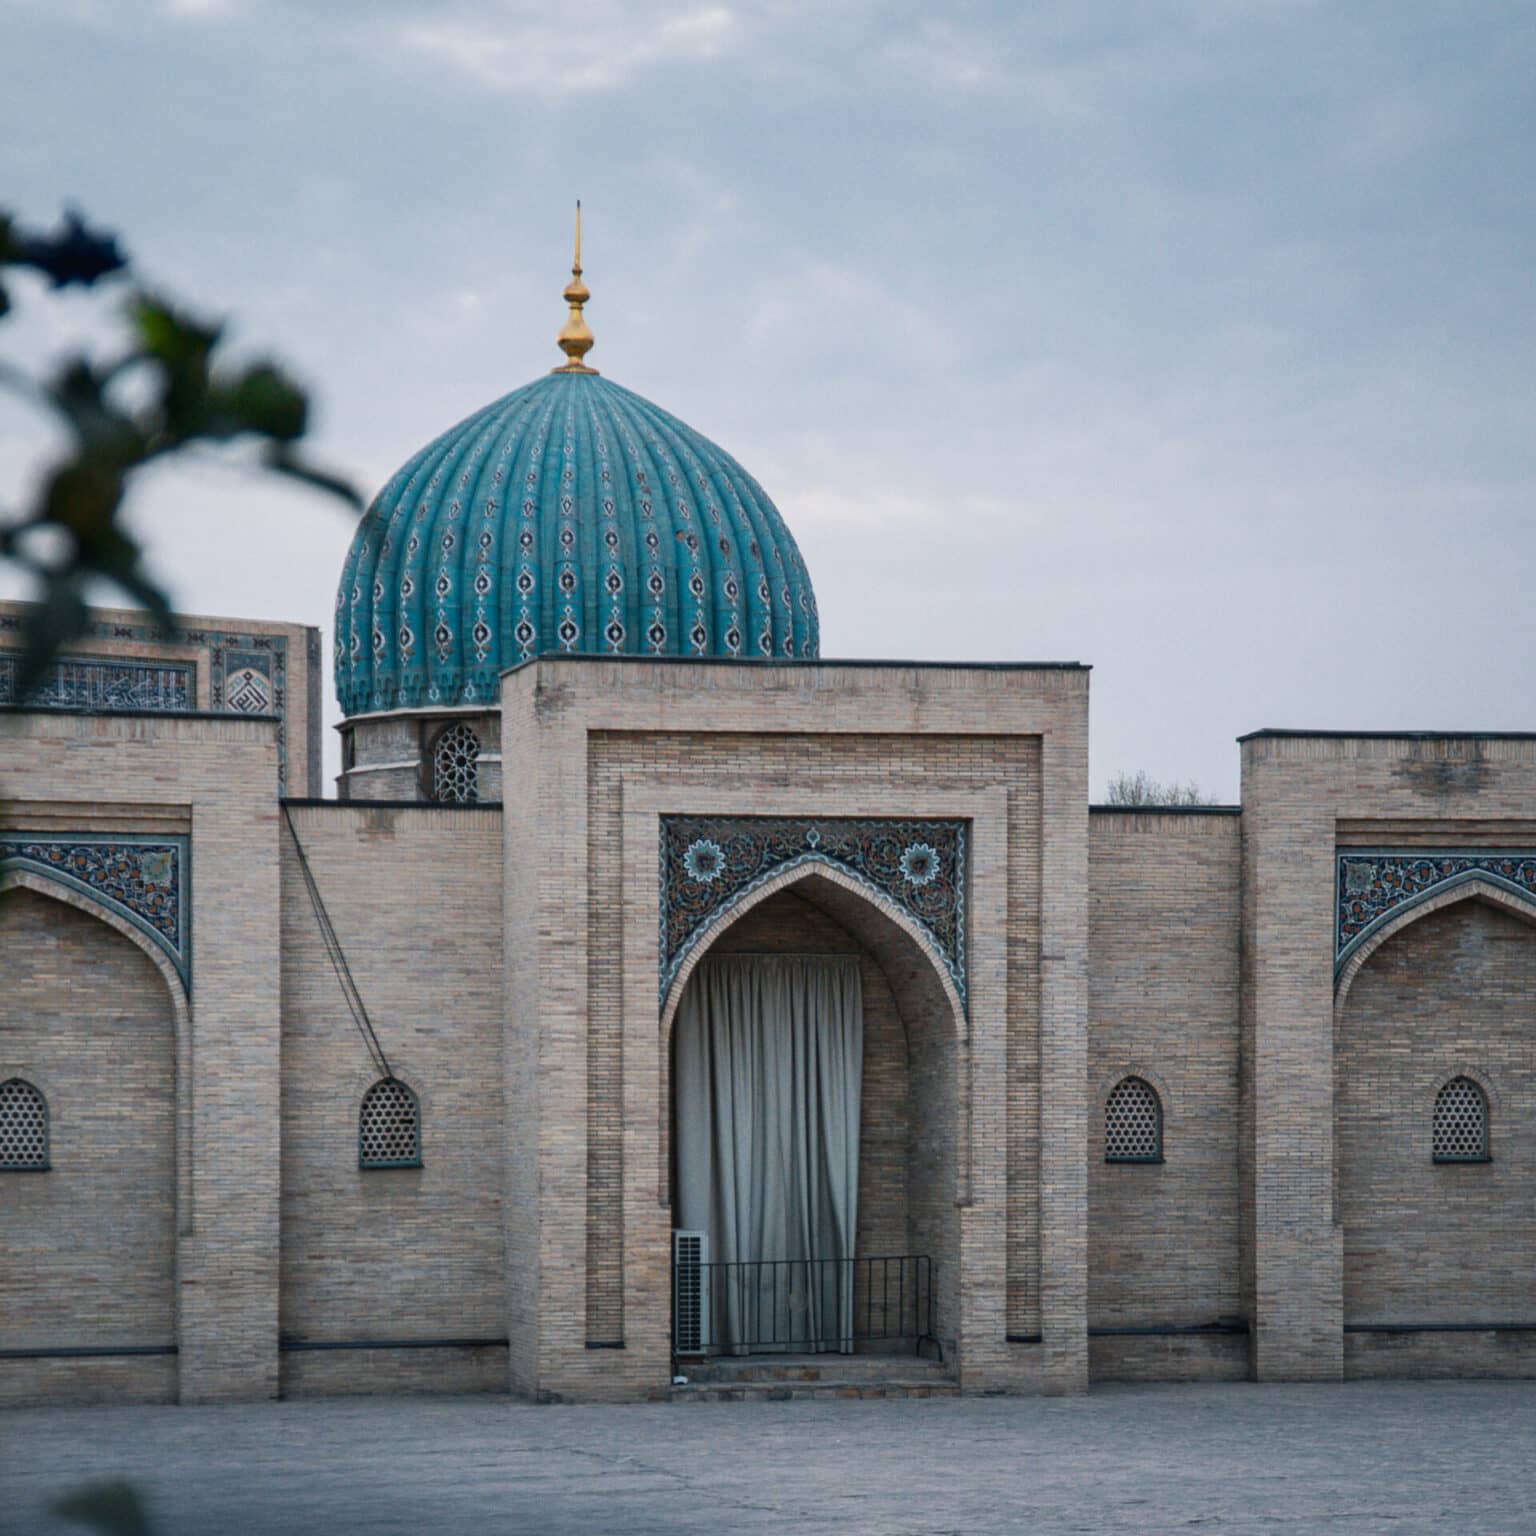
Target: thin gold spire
575, 336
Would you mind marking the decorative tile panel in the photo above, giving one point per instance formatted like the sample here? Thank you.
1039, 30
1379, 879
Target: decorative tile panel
247, 682
1372, 885
144, 880
87, 682
710, 863
247, 674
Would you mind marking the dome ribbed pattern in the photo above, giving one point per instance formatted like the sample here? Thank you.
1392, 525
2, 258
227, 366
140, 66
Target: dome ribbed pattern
570, 516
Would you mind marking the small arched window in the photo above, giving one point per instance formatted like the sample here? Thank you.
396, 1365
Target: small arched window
389, 1127
1461, 1123
456, 765
23, 1127
1133, 1123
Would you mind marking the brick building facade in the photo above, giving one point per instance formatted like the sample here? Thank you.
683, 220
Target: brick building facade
376, 1093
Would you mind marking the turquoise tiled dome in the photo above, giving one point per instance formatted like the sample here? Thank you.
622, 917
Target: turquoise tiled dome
570, 516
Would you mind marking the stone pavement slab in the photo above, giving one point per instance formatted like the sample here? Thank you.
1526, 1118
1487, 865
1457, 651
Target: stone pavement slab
1364, 1457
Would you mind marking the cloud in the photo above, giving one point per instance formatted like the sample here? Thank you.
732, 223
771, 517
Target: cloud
845, 508
950, 57
527, 50
201, 10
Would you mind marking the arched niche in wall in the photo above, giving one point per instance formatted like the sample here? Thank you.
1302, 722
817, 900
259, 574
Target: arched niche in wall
1470, 889
95, 1028
1438, 994
29, 879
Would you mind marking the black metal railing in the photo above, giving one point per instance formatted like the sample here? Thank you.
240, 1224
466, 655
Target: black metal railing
763, 1305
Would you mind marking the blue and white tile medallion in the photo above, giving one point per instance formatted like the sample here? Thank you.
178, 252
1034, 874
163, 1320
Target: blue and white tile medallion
709, 864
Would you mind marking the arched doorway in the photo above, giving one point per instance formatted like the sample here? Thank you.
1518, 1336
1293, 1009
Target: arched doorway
818, 1155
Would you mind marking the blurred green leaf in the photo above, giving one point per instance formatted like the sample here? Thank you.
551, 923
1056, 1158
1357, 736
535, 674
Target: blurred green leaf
174, 338
77, 254
180, 397
262, 400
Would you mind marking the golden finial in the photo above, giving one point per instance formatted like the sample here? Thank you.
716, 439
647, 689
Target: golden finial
575, 336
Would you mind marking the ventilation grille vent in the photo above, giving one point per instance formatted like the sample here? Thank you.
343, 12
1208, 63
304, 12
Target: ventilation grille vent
1133, 1124
23, 1126
1461, 1123
389, 1128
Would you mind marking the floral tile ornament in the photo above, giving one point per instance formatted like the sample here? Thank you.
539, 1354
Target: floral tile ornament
1373, 885
143, 880
709, 864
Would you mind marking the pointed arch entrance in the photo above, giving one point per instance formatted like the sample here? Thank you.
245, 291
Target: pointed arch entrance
777, 1162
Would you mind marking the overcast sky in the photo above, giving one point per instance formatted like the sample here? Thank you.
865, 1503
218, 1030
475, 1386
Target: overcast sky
1190, 338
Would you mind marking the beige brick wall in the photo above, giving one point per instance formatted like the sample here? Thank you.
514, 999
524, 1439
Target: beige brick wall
1423, 1242
217, 774
409, 1253
1300, 795
1163, 1004
291, 653
1168, 1357
816, 766
344, 1373
389, 757
1440, 1356
89, 1253
588, 741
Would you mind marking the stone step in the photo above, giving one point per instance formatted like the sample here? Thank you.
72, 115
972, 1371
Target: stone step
803, 1391
794, 1369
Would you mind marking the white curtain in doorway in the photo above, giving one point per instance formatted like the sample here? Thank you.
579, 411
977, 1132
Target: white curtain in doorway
768, 1069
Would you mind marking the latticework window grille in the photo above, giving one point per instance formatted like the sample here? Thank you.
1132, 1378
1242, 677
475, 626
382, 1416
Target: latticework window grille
23, 1126
1461, 1123
389, 1127
456, 765
1133, 1123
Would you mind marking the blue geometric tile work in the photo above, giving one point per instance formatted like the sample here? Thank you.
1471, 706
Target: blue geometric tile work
88, 682
248, 674
571, 516
709, 863
1372, 885
144, 880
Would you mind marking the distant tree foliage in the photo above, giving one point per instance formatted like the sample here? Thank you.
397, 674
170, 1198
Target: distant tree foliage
1140, 788
161, 392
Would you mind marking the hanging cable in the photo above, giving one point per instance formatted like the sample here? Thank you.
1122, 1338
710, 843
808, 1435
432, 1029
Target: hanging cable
338, 960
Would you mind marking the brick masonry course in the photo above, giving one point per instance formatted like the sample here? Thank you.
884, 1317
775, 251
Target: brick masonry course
1163, 1004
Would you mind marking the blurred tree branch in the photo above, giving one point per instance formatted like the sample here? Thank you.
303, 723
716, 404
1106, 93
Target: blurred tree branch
165, 390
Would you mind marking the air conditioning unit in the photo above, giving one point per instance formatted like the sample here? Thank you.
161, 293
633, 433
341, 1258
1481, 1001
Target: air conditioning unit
690, 1292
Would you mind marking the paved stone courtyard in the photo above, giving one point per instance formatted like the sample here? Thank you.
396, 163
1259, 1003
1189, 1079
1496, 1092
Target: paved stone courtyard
1365, 1457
